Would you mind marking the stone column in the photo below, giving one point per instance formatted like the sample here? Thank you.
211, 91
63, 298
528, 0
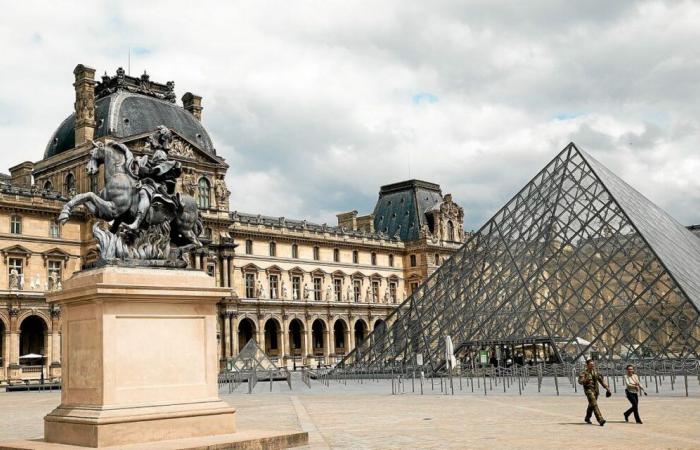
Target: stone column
261, 334
309, 341
229, 264
346, 343
55, 367
5, 353
227, 335
13, 360
282, 341
351, 341
234, 335
84, 104
331, 342
326, 344
226, 271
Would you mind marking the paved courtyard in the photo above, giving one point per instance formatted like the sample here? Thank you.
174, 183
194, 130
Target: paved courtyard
367, 416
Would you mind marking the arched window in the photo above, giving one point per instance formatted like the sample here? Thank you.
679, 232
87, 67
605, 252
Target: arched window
69, 185
48, 186
203, 199
450, 231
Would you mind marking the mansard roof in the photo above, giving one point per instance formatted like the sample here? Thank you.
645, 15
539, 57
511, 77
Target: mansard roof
123, 113
401, 207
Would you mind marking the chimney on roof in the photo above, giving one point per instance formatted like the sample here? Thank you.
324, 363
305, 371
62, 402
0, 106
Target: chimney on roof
193, 104
84, 104
347, 220
21, 174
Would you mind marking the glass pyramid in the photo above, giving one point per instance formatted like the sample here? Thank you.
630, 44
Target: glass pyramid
577, 261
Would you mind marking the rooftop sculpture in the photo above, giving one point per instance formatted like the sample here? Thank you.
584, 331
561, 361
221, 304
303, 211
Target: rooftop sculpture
149, 223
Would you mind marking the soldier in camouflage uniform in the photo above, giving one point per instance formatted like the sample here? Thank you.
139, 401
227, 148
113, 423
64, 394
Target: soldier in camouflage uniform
589, 379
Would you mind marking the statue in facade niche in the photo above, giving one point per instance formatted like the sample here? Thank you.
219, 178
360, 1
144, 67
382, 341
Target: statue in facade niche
285, 292
221, 192
349, 293
329, 293
14, 279
260, 290
307, 291
149, 221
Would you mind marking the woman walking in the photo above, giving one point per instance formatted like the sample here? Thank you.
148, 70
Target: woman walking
632, 389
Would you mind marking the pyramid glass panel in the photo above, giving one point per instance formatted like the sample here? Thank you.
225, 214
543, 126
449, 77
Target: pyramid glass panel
577, 261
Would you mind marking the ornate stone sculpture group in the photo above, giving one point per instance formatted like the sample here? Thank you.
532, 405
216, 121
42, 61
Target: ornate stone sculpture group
149, 223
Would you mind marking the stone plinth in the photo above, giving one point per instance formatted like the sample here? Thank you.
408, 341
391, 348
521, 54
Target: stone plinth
139, 358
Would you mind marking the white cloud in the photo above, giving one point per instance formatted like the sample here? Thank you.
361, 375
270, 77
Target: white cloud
313, 103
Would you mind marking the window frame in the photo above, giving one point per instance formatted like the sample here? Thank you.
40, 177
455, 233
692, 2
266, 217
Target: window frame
318, 288
336, 255
295, 250
203, 193
391, 260
317, 253
248, 246
413, 260
355, 257
272, 251
15, 220
338, 288
274, 287
373, 258
249, 288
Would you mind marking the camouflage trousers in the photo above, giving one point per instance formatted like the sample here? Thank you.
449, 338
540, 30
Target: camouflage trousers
592, 397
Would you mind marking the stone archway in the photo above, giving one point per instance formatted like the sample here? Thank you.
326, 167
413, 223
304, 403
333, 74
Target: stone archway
380, 327
273, 333
318, 337
33, 337
340, 333
360, 332
296, 338
246, 332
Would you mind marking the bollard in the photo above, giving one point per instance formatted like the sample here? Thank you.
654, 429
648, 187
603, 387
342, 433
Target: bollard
556, 381
685, 379
520, 389
270, 380
484, 372
421, 382
413, 381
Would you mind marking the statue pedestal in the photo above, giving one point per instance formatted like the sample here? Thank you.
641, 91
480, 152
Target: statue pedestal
139, 358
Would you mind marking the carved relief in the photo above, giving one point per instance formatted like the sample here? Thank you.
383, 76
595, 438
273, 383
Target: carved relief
182, 149
189, 183
222, 193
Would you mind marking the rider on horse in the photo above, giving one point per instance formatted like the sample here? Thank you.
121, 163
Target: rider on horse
157, 176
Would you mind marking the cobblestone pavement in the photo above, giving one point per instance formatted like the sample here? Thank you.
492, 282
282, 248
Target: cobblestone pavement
367, 416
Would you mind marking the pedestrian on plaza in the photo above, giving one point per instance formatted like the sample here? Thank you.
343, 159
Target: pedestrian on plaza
632, 389
589, 379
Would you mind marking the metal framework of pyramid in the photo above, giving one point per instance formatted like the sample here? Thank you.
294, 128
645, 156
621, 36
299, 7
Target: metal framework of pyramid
577, 259
251, 358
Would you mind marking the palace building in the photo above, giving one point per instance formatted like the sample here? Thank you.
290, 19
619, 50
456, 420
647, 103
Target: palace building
307, 293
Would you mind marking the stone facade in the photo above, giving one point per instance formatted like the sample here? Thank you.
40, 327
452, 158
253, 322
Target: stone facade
306, 292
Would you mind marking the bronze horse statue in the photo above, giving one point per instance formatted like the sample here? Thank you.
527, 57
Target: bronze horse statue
118, 202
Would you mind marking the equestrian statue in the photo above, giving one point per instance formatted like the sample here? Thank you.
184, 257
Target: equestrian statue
149, 221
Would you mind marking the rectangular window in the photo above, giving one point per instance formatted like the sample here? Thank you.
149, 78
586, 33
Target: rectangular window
391, 260
437, 259
273, 249
248, 247
374, 259
317, 288
338, 287
336, 255
296, 287
392, 292
355, 257
210, 270
14, 271
16, 225
357, 290
54, 230
413, 261
295, 251
274, 286
375, 291
414, 286
250, 285
317, 253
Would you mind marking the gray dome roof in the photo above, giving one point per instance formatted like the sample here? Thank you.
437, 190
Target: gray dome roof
124, 114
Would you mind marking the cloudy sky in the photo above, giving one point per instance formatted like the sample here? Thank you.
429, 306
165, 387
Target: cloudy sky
316, 104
